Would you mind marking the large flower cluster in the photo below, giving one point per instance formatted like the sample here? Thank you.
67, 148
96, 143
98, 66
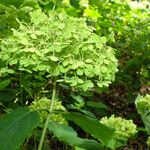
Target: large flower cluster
59, 45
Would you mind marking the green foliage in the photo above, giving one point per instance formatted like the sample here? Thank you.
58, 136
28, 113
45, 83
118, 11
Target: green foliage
38, 45
16, 3
69, 136
98, 105
124, 129
143, 108
9, 16
15, 127
4, 84
60, 46
91, 126
42, 106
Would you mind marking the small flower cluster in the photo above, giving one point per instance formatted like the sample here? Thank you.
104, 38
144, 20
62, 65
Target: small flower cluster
42, 106
124, 129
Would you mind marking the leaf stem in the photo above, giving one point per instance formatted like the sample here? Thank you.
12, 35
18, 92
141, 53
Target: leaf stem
48, 117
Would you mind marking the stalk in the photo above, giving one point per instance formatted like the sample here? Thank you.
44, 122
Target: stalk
48, 117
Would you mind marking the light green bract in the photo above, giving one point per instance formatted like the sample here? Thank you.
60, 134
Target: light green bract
62, 46
42, 106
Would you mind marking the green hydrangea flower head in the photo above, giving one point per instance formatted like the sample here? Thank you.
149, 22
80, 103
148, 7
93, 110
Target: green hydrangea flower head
42, 106
61, 46
124, 129
143, 104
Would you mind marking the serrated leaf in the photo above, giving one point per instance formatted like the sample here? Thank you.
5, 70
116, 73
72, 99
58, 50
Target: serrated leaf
15, 127
91, 126
69, 136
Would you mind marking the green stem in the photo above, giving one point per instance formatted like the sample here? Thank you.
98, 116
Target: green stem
48, 117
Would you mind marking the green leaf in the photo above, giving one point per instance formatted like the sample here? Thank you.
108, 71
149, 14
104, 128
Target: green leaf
78, 148
99, 105
4, 84
69, 136
6, 70
91, 126
15, 127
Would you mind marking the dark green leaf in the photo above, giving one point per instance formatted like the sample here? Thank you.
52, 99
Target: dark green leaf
7, 96
91, 126
4, 84
78, 98
99, 105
